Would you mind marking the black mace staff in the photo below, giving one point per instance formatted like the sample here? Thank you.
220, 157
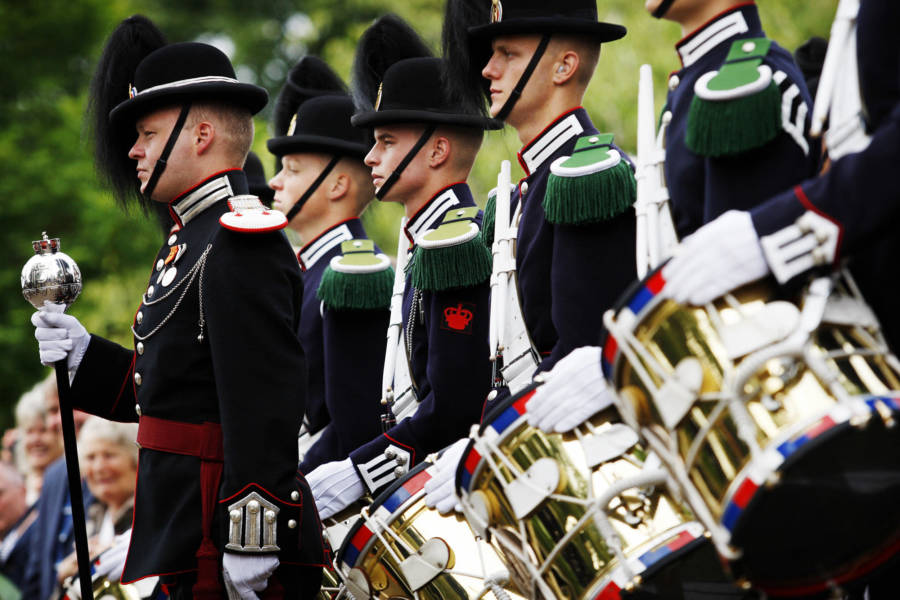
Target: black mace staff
52, 275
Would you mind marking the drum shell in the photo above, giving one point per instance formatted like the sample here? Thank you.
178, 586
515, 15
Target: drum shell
586, 564
401, 508
804, 416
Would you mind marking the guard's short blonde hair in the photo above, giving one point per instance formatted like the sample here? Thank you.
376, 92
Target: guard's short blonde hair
234, 126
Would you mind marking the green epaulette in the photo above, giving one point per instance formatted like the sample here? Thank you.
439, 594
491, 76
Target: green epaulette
452, 255
358, 279
489, 219
738, 107
594, 184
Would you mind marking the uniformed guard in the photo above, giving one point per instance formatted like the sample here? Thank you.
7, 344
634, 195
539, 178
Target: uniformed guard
574, 252
850, 210
215, 378
424, 149
739, 113
323, 187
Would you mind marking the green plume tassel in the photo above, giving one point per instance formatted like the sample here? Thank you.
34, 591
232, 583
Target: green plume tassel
461, 265
590, 198
728, 127
356, 291
488, 220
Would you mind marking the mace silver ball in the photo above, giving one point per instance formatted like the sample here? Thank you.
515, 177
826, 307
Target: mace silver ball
50, 275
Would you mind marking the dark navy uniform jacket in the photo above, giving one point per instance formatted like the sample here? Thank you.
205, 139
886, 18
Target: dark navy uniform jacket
242, 292
568, 275
446, 335
345, 356
702, 188
860, 192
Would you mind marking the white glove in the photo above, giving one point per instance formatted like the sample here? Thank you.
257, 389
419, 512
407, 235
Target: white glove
246, 574
573, 390
440, 490
722, 255
111, 561
59, 335
335, 485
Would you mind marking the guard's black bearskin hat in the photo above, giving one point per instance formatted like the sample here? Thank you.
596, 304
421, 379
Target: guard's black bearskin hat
310, 77
389, 40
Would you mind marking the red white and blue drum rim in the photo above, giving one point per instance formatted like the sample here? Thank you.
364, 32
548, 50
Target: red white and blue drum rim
387, 504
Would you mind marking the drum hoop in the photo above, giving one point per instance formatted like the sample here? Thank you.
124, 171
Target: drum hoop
512, 411
396, 492
686, 536
640, 298
783, 451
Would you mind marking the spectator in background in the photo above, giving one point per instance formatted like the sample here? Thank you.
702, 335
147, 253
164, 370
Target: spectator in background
16, 520
40, 442
52, 537
108, 455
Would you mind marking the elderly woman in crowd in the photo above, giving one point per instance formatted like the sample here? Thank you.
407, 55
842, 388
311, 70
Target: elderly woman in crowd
40, 442
108, 457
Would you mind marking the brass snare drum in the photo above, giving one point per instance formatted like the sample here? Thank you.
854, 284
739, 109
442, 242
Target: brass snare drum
777, 417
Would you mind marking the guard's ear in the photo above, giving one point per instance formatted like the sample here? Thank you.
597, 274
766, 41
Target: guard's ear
439, 151
339, 187
203, 134
565, 66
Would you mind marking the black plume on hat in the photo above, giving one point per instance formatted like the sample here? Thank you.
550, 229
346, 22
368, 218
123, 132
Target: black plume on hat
127, 46
387, 41
310, 77
465, 60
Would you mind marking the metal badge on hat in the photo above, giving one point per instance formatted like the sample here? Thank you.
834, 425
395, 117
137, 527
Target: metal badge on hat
496, 11
293, 126
378, 97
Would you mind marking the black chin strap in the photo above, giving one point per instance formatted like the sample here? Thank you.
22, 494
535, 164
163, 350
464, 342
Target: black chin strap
160, 165
526, 75
312, 188
393, 177
662, 9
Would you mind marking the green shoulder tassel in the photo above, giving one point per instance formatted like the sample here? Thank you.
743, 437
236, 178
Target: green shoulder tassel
451, 256
738, 107
487, 222
357, 280
594, 184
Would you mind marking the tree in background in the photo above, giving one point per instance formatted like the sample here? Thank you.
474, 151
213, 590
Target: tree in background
47, 178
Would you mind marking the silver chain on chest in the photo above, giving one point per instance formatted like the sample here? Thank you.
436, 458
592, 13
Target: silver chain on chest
185, 282
411, 319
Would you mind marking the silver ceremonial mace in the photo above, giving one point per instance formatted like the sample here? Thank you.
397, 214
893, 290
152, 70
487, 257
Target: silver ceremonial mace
52, 275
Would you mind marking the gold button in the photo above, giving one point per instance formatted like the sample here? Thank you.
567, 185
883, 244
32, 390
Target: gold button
140, 347
138, 379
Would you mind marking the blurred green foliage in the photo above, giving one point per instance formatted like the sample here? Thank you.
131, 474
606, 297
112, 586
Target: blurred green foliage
47, 180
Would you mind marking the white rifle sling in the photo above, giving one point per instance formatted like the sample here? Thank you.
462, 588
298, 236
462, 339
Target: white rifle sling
396, 381
838, 98
656, 238
511, 343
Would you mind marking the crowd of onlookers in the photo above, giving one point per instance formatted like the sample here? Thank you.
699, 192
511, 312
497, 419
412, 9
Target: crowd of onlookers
37, 548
